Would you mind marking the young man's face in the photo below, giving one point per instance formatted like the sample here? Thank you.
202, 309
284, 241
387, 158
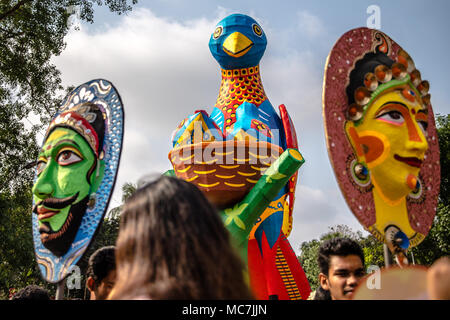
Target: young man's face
344, 275
102, 290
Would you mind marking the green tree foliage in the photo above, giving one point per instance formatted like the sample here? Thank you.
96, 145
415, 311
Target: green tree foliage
127, 190
437, 242
31, 32
443, 129
17, 266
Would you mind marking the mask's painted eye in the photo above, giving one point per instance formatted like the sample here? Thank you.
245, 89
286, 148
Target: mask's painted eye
40, 166
257, 30
217, 33
393, 116
67, 157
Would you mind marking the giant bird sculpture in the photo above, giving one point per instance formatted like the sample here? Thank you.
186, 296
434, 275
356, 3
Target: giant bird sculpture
250, 182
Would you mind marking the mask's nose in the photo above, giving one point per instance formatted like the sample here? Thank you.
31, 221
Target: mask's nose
43, 188
237, 45
416, 138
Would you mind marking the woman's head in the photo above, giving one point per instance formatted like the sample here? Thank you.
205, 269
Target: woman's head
172, 245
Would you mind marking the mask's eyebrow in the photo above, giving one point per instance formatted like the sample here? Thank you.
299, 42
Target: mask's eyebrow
389, 103
65, 141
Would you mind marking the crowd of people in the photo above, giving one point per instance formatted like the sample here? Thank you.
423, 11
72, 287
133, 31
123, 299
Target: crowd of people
172, 244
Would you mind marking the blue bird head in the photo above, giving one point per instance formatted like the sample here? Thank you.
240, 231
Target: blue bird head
238, 41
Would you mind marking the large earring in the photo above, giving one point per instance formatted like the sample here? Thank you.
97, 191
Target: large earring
360, 173
417, 192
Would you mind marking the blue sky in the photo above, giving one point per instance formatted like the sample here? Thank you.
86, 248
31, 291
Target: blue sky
158, 58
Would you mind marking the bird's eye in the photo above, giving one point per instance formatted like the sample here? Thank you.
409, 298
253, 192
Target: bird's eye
67, 157
257, 30
217, 33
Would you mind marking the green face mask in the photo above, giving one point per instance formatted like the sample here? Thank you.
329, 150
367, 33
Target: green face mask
67, 173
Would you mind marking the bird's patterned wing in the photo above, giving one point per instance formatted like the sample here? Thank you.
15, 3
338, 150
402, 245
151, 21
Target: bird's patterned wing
291, 142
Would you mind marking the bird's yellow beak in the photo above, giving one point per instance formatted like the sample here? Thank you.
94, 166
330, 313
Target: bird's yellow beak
236, 45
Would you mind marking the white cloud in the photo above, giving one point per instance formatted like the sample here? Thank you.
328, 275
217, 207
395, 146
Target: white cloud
310, 24
315, 210
163, 71
292, 80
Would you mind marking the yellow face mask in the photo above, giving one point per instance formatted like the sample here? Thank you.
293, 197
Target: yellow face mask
391, 142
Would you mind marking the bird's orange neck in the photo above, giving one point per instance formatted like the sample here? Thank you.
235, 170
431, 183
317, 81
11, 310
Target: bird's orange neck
239, 86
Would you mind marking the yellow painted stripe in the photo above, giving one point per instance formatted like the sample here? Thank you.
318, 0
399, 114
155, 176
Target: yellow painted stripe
184, 159
257, 155
243, 160
184, 170
205, 172
192, 179
235, 185
208, 185
224, 153
256, 168
229, 167
225, 177
252, 181
286, 276
206, 162
246, 174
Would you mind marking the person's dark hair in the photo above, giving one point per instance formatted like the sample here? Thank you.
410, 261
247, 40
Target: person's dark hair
322, 294
172, 244
101, 263
337, 247
32, 292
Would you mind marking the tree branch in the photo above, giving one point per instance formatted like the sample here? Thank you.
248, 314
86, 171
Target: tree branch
11, 34
15, 8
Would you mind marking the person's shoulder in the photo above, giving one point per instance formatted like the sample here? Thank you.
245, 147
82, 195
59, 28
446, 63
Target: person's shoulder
142, 297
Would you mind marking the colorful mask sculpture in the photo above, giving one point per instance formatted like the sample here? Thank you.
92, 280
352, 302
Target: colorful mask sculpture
381, 137
75, 176
233, 156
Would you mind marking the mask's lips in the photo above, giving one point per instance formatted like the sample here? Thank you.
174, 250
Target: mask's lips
49, 207
44, 213
411, 161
